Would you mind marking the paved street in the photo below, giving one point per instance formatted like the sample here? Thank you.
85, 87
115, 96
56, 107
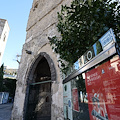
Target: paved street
5, 111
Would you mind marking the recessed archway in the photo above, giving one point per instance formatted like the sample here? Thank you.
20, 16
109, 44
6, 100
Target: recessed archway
38, 97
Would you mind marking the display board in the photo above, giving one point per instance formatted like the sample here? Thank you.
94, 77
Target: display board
67, 97
75, 99
102, 86
79, 99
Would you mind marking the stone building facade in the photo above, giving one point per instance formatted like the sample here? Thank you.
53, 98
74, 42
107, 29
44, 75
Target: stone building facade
39, 92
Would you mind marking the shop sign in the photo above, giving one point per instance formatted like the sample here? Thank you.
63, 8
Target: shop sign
102, 44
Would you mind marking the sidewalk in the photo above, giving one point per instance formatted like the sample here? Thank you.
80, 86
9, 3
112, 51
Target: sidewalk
5, 111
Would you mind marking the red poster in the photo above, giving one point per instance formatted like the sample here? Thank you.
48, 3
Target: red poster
75, 99
103, 88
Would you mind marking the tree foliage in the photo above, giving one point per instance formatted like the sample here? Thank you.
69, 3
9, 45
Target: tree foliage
82, 24
9, 86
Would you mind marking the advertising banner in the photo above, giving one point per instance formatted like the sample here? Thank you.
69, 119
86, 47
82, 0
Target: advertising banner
75, 99
102, 85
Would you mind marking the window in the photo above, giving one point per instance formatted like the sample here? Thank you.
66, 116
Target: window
4, 37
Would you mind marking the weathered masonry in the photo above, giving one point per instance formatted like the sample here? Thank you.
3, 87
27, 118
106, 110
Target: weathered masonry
39, 92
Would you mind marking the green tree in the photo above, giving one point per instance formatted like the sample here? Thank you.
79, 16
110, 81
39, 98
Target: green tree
82, 24
1, 77
10, 86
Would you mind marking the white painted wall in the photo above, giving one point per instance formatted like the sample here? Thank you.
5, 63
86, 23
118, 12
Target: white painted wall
4, 32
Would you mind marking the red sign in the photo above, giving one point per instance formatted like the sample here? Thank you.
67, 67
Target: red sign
75, 99
103, 88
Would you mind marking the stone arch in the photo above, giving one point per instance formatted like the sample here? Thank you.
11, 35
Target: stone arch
30, 76
35, 63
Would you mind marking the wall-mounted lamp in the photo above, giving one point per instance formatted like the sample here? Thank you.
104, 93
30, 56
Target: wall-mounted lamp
49, 38
28, 52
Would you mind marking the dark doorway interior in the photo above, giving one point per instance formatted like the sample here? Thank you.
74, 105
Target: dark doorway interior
39, 100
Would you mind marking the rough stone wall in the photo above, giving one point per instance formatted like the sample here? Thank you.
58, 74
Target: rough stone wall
41, 25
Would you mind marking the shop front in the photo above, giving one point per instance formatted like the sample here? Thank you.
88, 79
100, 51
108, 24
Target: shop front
92, 89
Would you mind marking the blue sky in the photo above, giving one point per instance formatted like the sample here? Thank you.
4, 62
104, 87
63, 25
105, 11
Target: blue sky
16, 12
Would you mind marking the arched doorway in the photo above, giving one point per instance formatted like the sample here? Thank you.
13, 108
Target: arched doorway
39, 96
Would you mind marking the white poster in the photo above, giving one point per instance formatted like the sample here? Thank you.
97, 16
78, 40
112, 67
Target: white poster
67, 101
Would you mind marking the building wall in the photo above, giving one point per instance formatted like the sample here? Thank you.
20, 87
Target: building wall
4, 31
10, 73
41, 25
